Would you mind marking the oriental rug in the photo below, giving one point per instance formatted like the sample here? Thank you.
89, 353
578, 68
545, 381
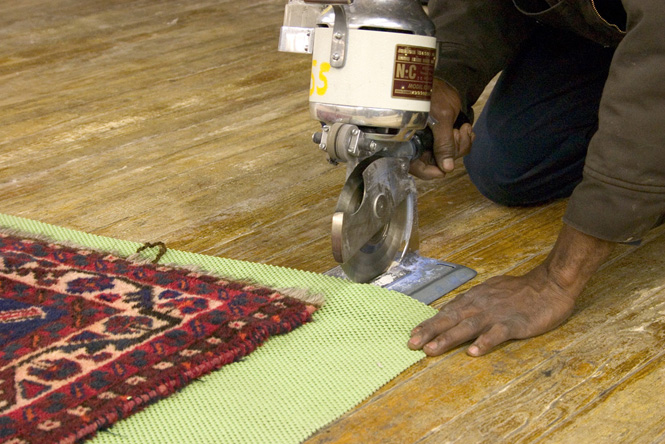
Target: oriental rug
294, 384
88, 338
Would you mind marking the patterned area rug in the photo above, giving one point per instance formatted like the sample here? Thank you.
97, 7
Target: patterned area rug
88, 338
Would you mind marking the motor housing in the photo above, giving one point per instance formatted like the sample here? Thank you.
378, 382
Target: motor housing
373, 66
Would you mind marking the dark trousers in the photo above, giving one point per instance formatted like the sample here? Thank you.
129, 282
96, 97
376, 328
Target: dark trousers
533, 133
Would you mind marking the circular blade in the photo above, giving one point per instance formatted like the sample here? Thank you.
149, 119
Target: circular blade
387, 244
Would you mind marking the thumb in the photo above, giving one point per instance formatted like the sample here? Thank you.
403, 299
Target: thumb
445, 147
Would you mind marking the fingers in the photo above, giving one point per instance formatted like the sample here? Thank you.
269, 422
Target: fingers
449, 143
496, 335
427, 331
452, 333
455, 145
424, 168
466, 137
435, 165
453, 325
464, 331
445, 145
426, 172
463, 319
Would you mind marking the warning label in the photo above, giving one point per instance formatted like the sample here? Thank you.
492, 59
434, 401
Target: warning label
414, 72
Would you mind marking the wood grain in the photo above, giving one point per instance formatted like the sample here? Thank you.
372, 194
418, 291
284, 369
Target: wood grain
159, 120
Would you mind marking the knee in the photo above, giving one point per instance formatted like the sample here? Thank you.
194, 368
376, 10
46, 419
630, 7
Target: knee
505, 188
507, 184
504, 168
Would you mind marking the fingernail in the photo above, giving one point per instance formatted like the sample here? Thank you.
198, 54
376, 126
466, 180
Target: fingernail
474, 350
431, 346
448, 164
415, 341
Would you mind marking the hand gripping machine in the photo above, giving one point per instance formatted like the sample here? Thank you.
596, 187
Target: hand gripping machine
372, 71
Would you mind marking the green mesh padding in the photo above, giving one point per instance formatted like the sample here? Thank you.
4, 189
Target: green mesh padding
294, 384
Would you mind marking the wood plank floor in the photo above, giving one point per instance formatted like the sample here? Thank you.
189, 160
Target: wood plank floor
179, 121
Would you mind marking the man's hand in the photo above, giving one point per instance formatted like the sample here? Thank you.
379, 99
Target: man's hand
449, 143
510, 307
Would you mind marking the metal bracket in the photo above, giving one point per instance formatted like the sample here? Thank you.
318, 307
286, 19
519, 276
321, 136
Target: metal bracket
422, 278
295, 39
297, 33
340, 38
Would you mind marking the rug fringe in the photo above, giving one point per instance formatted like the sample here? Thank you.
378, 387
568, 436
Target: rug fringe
302, 294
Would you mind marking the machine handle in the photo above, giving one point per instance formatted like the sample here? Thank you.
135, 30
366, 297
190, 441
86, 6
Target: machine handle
422, 140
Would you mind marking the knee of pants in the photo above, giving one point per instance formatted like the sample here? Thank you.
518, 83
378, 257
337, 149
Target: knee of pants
499, 188
510, 187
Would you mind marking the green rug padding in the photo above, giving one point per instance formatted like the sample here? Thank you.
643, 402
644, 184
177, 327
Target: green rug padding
293, 385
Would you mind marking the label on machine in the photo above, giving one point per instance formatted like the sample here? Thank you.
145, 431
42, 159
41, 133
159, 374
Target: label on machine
414, 72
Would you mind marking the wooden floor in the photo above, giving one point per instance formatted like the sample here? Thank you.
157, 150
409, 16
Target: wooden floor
179, 121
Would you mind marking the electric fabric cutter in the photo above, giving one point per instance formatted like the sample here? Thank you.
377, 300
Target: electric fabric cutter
372, 71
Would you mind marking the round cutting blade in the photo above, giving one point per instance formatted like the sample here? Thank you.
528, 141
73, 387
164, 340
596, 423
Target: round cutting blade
386, 245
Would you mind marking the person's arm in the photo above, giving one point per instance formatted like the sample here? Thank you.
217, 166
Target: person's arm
476, 38
516, 307
622, 195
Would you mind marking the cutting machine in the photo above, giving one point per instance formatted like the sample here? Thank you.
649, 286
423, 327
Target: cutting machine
371, 81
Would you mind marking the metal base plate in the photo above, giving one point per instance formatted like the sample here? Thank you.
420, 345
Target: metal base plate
422, 278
